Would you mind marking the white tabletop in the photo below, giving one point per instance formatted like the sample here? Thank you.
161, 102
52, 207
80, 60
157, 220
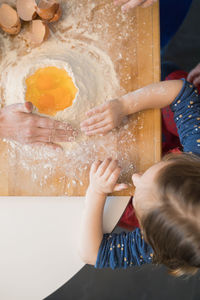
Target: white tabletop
38, 242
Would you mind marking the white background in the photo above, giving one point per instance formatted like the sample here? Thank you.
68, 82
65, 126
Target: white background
38, 242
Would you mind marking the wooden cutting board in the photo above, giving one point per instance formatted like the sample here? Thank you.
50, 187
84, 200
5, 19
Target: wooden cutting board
133, 43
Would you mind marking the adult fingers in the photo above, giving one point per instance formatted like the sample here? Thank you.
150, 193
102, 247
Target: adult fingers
95, 166
148, 3
113, 165
92, 121
120, 187
45, 122
196, 81
103, 167
56, 135
119, 2
51, 132
48, 139
193, 73
63, 138
50, 146
102, 130
132, 4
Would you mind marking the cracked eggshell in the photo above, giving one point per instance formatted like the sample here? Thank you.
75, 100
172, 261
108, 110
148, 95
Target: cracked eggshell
9, 20
26, 9
57, 15
49, 10
39, 32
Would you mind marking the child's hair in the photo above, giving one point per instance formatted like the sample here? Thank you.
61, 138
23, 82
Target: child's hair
173, 227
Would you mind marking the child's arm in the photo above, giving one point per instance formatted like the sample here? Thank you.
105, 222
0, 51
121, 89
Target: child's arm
108, 250
103, 180
109, 115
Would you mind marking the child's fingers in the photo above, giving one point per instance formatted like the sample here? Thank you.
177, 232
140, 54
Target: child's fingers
92, 120
95, 126
102, 130
96, 110
120, 187
102, 168
95, 166
114, 176
110, 169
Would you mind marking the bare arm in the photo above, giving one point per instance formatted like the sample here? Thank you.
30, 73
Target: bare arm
103, 178
157, 95
109, 115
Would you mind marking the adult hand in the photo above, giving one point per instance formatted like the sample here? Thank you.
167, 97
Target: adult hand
104, 176
103, 118
17, 122
128, 4
194, 75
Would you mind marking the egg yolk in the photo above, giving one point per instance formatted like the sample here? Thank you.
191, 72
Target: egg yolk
50, 89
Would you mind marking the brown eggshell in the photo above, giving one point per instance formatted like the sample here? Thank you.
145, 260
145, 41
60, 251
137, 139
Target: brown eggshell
57, 15
39, 32
12, 30
9, 20
47, 9
26, 9
8, 16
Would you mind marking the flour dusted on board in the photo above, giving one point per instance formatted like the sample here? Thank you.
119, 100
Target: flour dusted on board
85, 53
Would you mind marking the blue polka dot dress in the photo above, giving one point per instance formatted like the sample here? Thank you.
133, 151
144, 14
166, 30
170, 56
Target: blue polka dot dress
130, 249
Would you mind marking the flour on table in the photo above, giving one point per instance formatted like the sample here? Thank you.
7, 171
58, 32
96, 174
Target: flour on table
90, 68
81, 43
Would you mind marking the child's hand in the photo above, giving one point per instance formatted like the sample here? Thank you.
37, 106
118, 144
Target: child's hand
127, 5
104, 176
103, 118
194, 75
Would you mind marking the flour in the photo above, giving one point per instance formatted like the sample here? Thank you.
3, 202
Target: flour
81, 43
91, 70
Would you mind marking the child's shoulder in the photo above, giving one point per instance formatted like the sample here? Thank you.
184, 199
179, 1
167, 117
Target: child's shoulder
188, 94
186, 108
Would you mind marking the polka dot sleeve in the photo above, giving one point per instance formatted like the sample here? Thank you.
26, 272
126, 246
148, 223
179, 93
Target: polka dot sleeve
123, 250
186, 108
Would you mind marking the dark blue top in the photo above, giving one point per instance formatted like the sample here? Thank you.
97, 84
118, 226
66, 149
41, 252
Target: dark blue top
129, 249
172, 14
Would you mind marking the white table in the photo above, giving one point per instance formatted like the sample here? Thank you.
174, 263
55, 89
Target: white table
38, 243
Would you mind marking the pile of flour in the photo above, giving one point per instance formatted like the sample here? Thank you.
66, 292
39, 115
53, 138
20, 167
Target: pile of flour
92, 72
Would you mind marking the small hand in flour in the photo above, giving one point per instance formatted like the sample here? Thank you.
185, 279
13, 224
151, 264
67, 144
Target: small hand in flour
127, 5
17, 122
103, 118
104, 176
194, 75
